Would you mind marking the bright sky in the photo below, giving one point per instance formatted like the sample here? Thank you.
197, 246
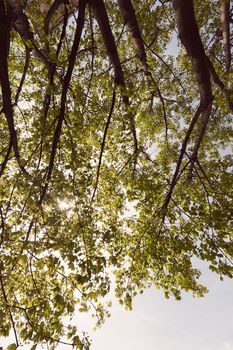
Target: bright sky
161, 324
158, 323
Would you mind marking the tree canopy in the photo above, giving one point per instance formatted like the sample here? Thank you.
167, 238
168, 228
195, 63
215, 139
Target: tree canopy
115, 156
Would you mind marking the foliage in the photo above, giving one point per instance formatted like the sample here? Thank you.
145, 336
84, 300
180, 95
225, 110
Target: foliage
115, 157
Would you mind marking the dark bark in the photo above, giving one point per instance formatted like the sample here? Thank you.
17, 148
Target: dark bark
179, 162
57, 5
20, 23
6, 158
51, 74
225, 24
19, 20
204, 119
4, 76
130, 20
190, 38
106, 31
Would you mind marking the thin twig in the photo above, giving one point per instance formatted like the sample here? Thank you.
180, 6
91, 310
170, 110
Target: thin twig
103, 143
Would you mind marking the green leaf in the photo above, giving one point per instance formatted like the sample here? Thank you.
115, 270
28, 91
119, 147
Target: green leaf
76, 341
12, 347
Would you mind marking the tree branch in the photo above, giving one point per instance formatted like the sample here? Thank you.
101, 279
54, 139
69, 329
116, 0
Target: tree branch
106, 31
7, 156
4, 77
9, 310
26, 65
67, 78
216, 79
225, 24
21, 24
181, 155
130, 20
103, 143
190, 38
56, 6
105, 28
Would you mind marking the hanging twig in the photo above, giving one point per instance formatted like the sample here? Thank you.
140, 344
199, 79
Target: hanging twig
9, 310
26, 65
103, 143
6, 158
179, 162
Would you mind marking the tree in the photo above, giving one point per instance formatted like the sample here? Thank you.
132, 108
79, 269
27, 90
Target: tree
115, 156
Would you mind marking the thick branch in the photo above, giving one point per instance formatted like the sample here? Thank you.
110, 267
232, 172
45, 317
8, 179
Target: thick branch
20, 23
52, 72
6, 158
19, 20
55, 6
130, 20
205, 116
225, 24
4, 76
57, 11
106, 31
105, 28
190, 38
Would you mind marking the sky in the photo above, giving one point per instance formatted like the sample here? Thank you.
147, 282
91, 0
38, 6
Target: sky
157, 323
161, 324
